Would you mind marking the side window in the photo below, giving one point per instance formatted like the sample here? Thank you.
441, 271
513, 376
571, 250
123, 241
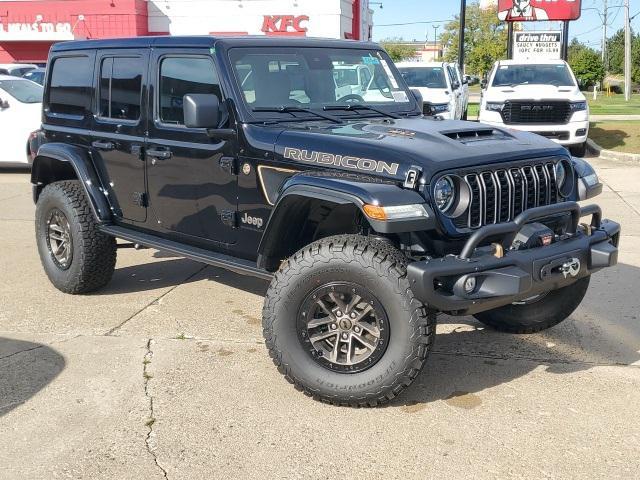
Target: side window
180, 76
71, 85
121, 88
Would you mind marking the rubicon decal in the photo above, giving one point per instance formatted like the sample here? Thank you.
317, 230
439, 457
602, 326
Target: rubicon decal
355, 163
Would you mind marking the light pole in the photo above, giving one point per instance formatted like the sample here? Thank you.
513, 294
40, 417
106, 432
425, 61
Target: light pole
627, 52
463, 21
435, 42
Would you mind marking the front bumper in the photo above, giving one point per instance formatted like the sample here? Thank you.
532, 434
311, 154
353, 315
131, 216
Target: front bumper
572, 133
517, 274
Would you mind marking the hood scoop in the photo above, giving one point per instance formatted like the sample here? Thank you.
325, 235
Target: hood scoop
468, 136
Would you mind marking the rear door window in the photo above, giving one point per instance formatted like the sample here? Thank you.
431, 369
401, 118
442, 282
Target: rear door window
71, 85
121, 88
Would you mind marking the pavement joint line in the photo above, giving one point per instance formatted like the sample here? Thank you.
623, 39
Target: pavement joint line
38, 347
622, 198
146, 377
154, 301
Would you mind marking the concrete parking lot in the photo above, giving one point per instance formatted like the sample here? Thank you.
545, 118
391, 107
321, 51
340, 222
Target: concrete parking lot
164, 375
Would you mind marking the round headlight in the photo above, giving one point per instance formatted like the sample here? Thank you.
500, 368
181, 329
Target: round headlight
444, 193
561, 174
564, 178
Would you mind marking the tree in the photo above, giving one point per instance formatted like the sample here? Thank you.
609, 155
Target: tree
397, 50
485, 39
615, 54
586, 64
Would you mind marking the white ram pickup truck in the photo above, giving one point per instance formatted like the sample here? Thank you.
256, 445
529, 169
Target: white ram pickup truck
540, 97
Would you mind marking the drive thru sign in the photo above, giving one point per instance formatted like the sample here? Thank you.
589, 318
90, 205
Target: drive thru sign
532, 10
537, 45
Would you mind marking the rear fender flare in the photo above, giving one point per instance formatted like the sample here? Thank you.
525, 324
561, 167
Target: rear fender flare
59, 161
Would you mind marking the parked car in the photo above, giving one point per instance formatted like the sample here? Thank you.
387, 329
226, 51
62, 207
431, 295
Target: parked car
540, 97
35, 75
366, 217
20, 112
16, 69
462, 91
437, 86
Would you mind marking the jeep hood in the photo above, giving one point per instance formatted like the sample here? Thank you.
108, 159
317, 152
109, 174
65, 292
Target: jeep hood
389, 148
533, 92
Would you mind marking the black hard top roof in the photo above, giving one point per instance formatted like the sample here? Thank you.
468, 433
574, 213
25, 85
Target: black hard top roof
208, 41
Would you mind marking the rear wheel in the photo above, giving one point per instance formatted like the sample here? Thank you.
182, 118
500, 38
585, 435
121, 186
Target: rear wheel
537, 313
342, 324
76, 256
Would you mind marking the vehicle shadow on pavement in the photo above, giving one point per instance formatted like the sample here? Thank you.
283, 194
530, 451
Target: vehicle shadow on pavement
25, 369
170, 272
468, 357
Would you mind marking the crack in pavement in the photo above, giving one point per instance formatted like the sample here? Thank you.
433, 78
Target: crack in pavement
151, 436
153, 302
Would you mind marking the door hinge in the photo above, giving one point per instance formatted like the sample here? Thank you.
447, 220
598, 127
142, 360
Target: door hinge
229, 218
229, 165
140, 199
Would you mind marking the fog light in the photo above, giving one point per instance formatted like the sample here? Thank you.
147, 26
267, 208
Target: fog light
469, 285
581, 132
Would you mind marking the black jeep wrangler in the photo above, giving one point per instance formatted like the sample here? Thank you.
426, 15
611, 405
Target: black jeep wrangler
309, 163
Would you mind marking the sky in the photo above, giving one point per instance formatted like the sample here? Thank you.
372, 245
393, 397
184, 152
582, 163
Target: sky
588, 29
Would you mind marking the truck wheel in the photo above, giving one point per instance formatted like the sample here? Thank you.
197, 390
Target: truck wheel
579, 150
341, 322
76, 256
538, 313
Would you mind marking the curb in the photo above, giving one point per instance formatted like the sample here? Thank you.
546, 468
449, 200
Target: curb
611, 155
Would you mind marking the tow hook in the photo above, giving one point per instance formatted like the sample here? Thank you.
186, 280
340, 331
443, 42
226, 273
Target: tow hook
572, 267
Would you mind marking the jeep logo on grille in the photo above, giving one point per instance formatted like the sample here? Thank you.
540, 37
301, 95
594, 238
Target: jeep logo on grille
536, 108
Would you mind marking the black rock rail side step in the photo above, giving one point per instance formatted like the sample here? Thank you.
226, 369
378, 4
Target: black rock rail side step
238, 265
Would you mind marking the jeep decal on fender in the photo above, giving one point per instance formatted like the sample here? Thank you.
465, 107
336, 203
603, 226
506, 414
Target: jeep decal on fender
355, 163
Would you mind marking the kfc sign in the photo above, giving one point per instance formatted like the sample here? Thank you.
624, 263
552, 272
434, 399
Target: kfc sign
532, 10
285, 25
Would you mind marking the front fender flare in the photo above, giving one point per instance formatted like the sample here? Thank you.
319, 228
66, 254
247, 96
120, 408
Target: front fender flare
54, 161
340, 190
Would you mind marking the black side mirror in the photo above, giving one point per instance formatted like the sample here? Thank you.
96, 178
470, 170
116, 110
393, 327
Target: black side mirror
418, 97
3, 104
483, 83
201, 110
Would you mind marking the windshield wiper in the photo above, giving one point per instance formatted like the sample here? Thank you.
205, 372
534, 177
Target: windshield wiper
292, 110
355, 107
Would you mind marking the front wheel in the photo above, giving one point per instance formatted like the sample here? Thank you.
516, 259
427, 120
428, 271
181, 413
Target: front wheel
342, 324
538, 313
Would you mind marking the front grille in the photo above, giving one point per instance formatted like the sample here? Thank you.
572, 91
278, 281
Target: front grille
528, 112
500, 195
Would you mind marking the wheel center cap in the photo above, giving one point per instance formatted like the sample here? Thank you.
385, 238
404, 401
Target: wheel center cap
345, 324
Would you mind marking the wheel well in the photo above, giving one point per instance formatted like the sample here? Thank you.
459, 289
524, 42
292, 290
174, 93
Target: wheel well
46, 170
300, 221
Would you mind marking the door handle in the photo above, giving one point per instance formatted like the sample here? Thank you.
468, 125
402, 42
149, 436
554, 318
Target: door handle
159, 154
100, 145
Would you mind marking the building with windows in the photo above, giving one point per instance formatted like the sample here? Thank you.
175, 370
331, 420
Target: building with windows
29, 28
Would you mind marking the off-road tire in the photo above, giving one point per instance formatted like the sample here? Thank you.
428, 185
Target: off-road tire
93, 253
534, 317
578, 150
375, 265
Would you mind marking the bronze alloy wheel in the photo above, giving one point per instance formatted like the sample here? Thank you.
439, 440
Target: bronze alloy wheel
59, 239
343, 327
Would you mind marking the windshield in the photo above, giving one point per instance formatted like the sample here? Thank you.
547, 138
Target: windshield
22, 90
430, 77
555, 74
315, 78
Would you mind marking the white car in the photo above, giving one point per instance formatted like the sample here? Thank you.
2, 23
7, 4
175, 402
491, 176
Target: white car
20, 115
540, 97
16, 69
436, 85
